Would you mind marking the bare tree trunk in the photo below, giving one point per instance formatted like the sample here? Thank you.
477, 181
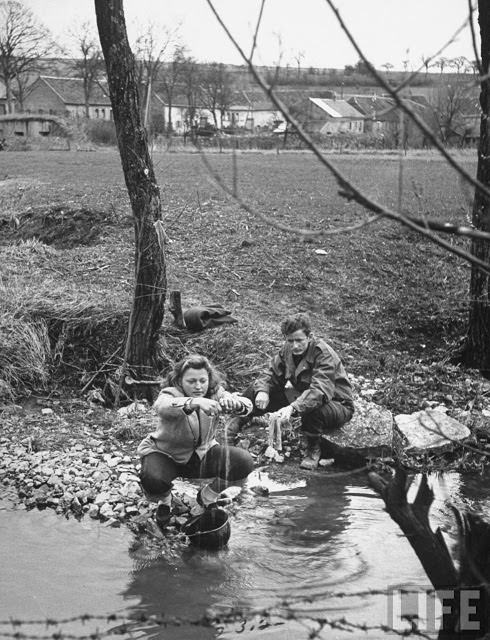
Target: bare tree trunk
20, 95
8, 92
150, 274
477, 348
170, 125
86, 95
473, 572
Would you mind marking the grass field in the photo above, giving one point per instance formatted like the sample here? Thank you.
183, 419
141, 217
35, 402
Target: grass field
392, 303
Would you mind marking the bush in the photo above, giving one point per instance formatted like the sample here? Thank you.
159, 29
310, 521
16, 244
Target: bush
268, 141
101, 132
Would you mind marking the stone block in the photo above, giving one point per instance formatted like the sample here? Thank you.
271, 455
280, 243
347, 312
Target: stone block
368, 435
428, 430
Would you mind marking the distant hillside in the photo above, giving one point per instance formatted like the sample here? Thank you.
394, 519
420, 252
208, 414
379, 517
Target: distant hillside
310, 80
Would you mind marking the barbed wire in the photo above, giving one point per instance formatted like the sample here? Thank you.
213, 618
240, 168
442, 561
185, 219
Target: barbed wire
217, 621
284, 610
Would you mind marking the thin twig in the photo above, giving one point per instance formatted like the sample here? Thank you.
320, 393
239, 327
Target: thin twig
177, 217
348, 189
235, 170
401, 162
402, 104
426, 62
127, 347
257, 28
279, 225
100, 370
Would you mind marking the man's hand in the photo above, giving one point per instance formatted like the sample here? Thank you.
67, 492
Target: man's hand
283, 416
262, 400
280, 418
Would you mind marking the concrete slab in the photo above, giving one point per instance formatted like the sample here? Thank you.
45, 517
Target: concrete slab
428, 430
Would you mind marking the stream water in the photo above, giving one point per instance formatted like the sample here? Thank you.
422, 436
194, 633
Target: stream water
304, 543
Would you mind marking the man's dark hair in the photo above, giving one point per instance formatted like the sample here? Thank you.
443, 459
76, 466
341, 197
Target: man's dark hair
295, 322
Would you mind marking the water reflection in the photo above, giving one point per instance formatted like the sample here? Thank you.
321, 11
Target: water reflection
300, 545
309, 544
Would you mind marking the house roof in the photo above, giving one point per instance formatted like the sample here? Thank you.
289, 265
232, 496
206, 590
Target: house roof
384, 108
179, 102
70, 90
370, 105
241, 102
251, 100
337, 108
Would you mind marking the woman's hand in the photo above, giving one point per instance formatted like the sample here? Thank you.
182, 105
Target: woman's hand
229, 403
262, 400
208, 406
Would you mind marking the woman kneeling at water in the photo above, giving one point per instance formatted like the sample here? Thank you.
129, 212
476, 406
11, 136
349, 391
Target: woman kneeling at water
184, 443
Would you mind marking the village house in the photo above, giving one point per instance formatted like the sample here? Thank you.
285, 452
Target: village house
65, 97
23, 125
251, 113
177, 114
384, 118
245, 113
378, 112
3, 99
331, 116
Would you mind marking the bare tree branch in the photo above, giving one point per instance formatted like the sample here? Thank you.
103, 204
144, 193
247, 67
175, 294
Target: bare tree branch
257, 29
348, 190
426, 61
449, 227
402, 104
270, 221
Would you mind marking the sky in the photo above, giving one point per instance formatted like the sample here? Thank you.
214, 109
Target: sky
388, 31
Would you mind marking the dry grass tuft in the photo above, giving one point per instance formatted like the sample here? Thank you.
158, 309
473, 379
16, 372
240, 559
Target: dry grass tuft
25, 354
239, 351
47, 321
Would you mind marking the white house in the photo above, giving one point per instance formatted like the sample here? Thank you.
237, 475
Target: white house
331, 116
252, 115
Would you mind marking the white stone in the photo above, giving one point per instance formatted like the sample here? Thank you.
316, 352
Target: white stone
273, 454
132, 510
93, 511
47, 411
128, 477
106, 511
111, 461
427, 430
326, 462
132, 409
102, 497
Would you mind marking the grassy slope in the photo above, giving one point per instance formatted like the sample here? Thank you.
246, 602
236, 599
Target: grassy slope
388, 300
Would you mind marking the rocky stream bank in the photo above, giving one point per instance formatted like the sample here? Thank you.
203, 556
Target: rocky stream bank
83, 463
80, 459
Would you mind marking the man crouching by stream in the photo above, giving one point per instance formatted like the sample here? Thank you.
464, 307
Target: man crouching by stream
305, 379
